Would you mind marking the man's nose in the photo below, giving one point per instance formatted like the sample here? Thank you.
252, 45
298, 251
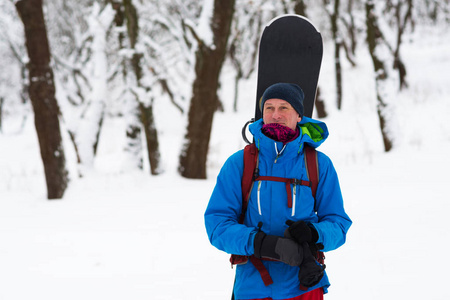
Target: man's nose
276, 114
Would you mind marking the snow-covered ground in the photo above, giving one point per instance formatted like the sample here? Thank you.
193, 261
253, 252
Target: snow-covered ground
128, 235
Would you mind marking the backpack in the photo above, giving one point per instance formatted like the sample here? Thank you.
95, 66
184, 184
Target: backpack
251, 174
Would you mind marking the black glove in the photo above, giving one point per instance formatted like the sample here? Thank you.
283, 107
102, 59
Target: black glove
310, 272
301, 232
278, 248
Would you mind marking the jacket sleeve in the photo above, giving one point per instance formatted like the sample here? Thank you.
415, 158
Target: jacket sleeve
333, 221
224, 209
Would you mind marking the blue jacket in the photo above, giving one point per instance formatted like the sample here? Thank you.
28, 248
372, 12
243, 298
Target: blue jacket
268, 204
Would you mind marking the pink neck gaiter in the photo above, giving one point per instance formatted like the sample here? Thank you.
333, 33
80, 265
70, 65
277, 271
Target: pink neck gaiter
280, 133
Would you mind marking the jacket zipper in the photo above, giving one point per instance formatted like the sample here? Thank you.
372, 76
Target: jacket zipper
259, 198
293, 200
278, 152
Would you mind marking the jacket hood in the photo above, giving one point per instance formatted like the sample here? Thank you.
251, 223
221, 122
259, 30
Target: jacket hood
312, 132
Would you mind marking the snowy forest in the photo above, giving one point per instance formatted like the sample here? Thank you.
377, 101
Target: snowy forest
125, 111
92, 60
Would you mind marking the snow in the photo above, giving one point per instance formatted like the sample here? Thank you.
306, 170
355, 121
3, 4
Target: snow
128, 235
204, 30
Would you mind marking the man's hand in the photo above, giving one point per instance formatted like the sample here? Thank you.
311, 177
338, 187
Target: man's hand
278, 248
301, 232
310, 272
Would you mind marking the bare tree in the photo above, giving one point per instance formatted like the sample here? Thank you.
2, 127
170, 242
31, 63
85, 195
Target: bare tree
243, 49
99, 22
403, 16
383, 74
1, 112
300, 8
126, 22
209, 59
333, 14
348, 20
145, 108
435, 10
42, 95
14, 81
80, 35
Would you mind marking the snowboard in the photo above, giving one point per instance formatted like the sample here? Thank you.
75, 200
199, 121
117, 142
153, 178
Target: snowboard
290, 50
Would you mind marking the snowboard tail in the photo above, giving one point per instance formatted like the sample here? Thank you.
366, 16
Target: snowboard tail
290, 50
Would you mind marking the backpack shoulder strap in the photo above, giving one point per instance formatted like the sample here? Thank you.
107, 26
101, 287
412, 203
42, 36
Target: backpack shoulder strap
250, 168
312, 168
248, 176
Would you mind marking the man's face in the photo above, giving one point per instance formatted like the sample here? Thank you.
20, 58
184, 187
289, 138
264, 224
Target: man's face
281, 112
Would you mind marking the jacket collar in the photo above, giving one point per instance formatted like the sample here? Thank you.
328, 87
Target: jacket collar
313, 133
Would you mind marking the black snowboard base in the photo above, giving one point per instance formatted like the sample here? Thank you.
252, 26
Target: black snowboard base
290, 50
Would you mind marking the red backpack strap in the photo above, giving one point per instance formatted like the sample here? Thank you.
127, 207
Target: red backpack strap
287, 181
248, 178
265, 276
250, 164
312, 167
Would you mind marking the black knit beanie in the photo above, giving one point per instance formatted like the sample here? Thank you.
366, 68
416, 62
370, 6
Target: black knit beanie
289, 92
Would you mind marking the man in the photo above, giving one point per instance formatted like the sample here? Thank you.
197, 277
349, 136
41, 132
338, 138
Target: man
275, 226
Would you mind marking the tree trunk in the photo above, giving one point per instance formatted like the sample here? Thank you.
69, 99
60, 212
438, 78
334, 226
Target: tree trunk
319, 103
86, 136
1, 113
133, 148
151, 136
334, 17
243, 48
145, 111
209, 61
300, 7
42, 96
402, 22
351, 27
338, 70
237, 78
375, 41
